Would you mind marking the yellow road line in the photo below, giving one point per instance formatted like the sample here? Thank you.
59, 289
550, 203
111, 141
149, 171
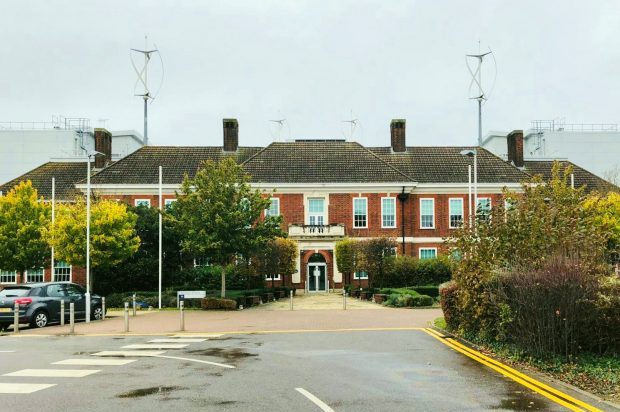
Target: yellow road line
239, 332
539, 387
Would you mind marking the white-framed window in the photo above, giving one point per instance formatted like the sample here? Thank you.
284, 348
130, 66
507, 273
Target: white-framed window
427, 252
142, 202
456, 212
316, 211
360, 212
34, 275
362, 274
483, 208
168, 203
201, 262
427, 213
388, 212
62, 272
274, 207
8, 276
272, 277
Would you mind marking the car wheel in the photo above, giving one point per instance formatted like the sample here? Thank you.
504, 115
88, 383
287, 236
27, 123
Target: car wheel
39, 319
97, 313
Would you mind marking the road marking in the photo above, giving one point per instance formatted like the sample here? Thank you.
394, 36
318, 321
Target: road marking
315, 400
527, 381
156, 346
177, 340
24, 387
129, 353
197, 335
53, 373
95, 362
7, 351
223, 365
247, 332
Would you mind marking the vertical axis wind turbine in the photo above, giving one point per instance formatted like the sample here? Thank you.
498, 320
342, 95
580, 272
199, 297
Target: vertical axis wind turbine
143, 79
476, 78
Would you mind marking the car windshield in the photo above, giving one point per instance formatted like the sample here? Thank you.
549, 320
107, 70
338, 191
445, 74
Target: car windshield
13, 292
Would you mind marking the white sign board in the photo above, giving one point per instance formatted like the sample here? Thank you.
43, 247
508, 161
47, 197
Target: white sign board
190, 294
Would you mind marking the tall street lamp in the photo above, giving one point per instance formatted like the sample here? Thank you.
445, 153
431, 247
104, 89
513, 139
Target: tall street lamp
473, 153
90, 154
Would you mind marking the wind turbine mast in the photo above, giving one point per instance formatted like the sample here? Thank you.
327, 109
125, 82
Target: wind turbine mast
143, 79
476, 79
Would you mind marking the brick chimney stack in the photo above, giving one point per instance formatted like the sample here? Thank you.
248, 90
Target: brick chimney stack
103, 144
397, 133
231, 135
515, 147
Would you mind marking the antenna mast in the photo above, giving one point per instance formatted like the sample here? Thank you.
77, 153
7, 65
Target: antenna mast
143, 79
353, 125
476, 78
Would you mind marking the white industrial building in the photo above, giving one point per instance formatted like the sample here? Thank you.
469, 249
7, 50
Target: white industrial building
26, 145
595, 147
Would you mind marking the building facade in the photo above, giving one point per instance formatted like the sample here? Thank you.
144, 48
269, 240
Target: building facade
325, 191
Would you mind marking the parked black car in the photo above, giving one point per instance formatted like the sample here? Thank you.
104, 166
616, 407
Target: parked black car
39, 303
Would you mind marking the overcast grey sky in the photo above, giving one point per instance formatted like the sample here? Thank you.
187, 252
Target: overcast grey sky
312, 62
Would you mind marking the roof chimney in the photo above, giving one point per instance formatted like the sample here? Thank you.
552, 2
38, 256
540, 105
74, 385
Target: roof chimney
397, 132
231, 135
103, 144
515, 147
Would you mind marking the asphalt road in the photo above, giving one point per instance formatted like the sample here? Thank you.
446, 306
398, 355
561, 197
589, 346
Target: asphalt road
348, 371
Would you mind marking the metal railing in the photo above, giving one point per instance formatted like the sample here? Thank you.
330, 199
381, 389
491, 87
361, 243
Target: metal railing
558, 126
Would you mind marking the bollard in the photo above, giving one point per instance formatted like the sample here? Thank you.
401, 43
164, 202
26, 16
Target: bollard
133, 299
126, 316
344, 300
102, 308
62, 312
16, 318
181, 307
291, 297
72, 317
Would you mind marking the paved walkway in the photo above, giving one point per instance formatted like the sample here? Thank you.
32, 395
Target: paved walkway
326, 314
319, 301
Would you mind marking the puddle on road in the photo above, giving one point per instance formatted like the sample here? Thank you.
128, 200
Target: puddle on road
138, 393
228, 354
521, 402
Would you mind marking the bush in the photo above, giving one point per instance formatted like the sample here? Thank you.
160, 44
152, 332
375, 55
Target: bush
406, 270
399, 291
432, 291
209, 278
607, 325
218, 304
448, 293
553, 309
422, 300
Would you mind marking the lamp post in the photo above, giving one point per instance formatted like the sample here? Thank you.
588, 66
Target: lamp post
473, 153
92, 154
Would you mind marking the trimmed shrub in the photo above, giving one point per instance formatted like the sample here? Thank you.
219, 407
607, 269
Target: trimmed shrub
422, 300
448, 293
406, 270
432, 291
218, 304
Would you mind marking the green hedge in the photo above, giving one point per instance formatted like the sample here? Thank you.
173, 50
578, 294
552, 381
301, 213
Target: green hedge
218, 303
406, 270
432, 291
408, 300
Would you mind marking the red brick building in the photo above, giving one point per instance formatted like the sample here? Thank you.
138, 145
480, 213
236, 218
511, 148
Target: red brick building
327, 190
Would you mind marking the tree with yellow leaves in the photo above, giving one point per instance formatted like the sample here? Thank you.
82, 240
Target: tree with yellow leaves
112, 231
23, 219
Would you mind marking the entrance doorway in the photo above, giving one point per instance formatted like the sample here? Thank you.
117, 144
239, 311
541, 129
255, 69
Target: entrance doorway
317, 274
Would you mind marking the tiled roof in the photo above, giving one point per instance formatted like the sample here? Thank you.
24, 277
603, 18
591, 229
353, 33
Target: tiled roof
142, 166
446, 165
582, 176
67, 174
320, 162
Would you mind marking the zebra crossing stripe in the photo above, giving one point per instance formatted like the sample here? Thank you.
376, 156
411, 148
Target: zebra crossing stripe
129, 353
53, 373
24, 388
156, 346
177, 340
95, 362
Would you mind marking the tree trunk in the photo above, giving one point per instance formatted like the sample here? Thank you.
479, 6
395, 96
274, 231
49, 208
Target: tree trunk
21, 277
223, 294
